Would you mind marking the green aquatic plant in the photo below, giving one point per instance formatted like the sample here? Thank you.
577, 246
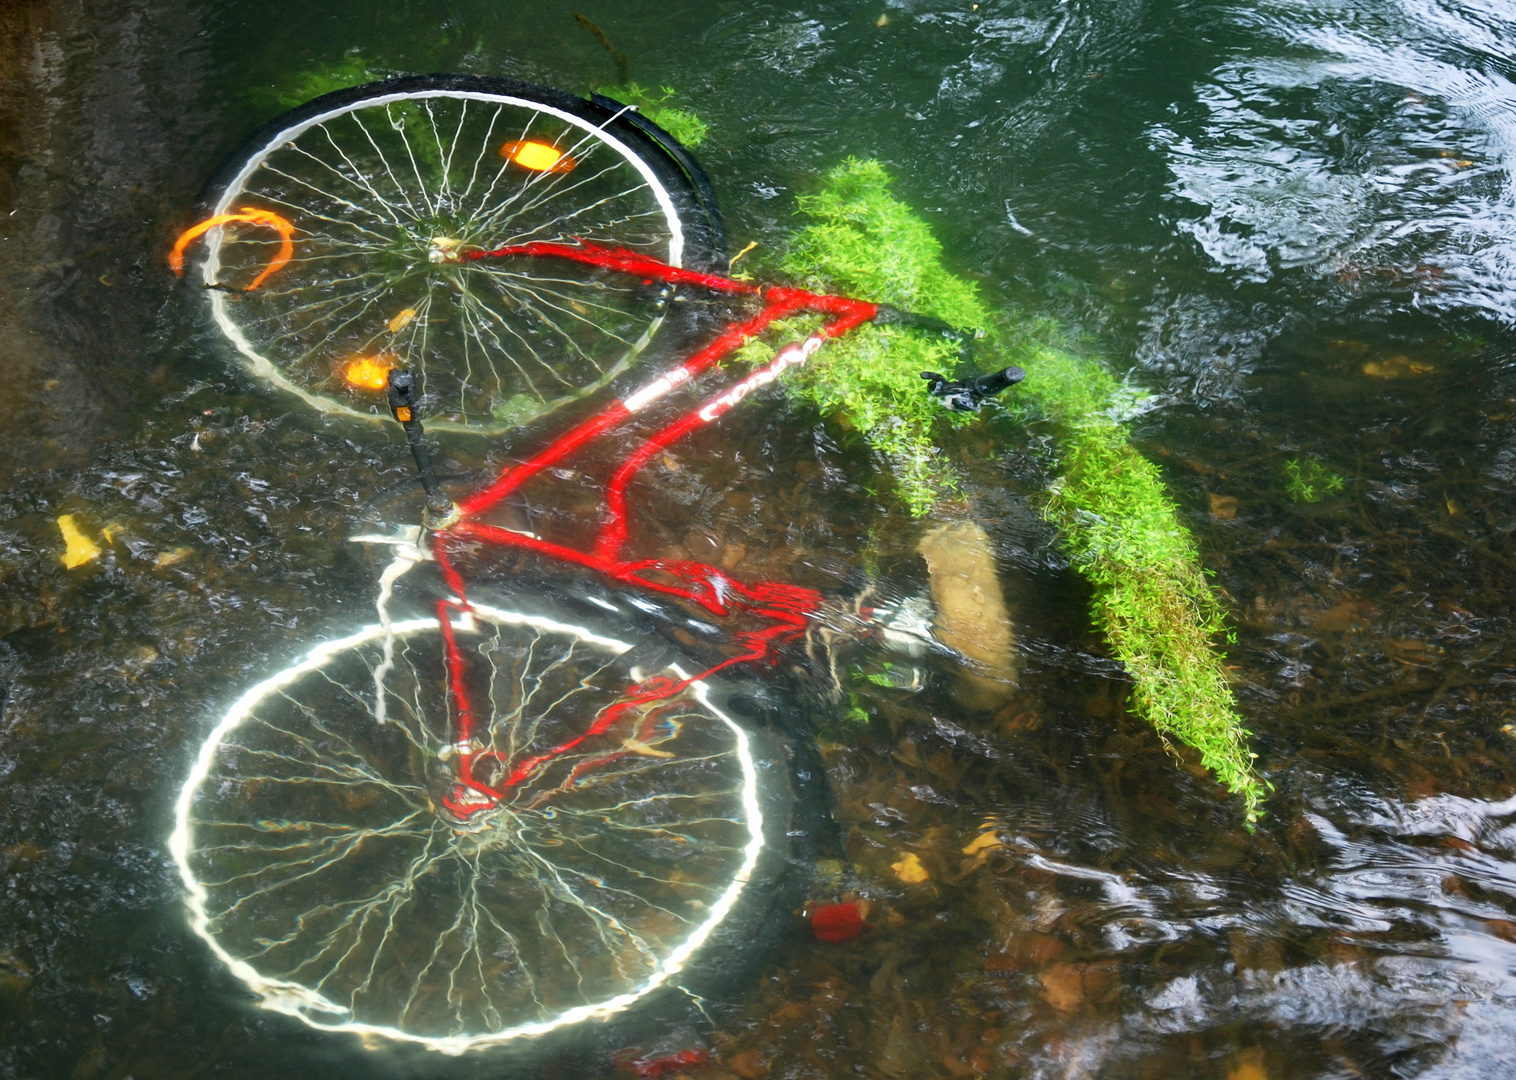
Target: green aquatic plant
683, 124
1118, 525
296, 87
861, 238
1152, 600
870, 381
1307, 480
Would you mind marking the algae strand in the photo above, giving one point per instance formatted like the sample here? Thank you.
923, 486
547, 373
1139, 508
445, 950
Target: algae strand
1117, 522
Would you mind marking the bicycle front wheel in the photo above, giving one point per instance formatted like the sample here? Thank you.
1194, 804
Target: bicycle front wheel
381, 185
321, 868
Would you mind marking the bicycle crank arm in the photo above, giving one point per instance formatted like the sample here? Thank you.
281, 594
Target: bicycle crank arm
404, 400
959, 395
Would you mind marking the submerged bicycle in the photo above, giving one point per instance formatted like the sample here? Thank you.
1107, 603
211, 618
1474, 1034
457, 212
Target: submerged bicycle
503, 810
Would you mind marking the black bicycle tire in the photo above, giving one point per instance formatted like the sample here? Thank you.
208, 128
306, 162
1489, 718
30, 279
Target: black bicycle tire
691, 168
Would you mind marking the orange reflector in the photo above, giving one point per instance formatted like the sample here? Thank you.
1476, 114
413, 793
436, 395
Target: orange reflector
539, 157
367, 373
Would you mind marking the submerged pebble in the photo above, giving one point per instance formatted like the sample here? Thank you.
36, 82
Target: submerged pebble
971, 615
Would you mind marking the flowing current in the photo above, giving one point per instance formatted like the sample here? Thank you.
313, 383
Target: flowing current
1290, 226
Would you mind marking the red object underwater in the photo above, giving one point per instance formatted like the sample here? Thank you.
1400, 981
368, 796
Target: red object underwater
651, 1068
837, 922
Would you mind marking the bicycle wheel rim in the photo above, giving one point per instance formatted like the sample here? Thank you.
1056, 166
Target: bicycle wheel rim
301, 994
496, 345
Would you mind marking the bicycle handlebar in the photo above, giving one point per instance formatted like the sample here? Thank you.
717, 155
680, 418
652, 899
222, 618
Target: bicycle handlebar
969, 394
892, 316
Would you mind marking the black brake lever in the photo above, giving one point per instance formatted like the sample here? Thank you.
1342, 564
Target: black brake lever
959, 395
969, 394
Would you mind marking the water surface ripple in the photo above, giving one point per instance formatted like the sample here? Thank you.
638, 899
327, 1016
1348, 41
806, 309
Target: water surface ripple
1292, 224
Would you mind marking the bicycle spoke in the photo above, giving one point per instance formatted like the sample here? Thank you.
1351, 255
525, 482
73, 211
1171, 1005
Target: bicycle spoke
357, 118
410, 153
305, 209
359, 179
447, 154
504, 168
484, 148
561, 195
550, 192
529, 182
483, 330
354, 177
368, 297
526, 377
285, 315
536, 289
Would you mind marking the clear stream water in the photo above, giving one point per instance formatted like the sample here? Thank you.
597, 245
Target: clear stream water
1255, 211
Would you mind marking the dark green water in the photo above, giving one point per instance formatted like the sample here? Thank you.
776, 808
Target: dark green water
1250, 209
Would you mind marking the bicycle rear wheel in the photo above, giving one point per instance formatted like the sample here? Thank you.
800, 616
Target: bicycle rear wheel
382, 183
320, 868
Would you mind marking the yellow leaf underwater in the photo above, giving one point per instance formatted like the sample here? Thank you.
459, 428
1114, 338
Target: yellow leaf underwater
173, 557
1398, 367
986, 839
80, 548
910, 870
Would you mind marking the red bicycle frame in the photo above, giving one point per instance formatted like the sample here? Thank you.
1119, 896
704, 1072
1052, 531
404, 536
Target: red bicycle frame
783, 610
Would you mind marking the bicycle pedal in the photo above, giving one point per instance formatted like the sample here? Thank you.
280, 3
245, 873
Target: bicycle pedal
909, 677
410, 537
